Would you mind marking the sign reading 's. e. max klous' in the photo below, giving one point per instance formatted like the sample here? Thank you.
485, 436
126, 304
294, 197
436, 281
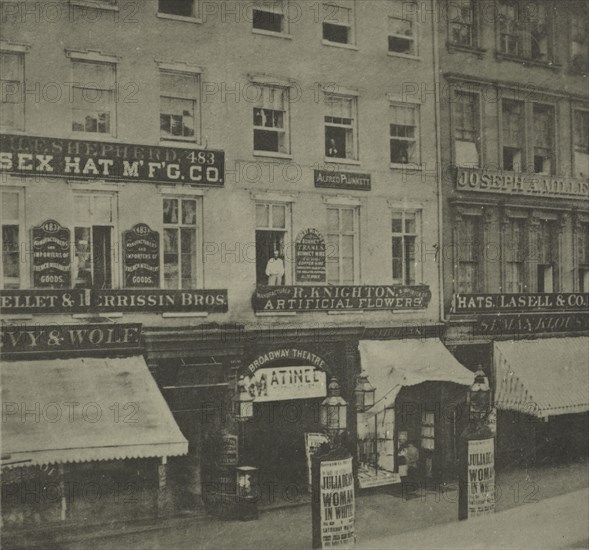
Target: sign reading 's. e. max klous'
46, 156
333, 298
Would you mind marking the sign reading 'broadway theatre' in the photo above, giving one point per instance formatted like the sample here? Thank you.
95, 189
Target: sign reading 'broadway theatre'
46, 156
334, 298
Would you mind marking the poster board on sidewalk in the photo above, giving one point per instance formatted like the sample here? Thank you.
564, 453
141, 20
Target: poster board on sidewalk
481, 477
312, 443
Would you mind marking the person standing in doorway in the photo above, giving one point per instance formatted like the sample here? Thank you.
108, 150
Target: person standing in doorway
275, 270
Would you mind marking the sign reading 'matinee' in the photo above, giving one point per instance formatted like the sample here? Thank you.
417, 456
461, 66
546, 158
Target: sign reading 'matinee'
46, 156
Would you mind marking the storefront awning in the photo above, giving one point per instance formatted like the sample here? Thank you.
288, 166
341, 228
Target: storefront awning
392, 364
84, 409
543, 377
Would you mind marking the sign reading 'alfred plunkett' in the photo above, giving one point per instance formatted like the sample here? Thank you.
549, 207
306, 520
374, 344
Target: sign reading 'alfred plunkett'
47, 156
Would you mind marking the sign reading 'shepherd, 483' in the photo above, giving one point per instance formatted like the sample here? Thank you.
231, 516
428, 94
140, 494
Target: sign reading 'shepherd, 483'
46, 156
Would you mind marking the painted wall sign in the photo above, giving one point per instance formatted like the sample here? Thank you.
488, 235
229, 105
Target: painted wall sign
523, 326
286, 383
342, 180
285, 353
109, 300
485, 303
53, 157
229, 450
141, 257
51, 256
337, 503
32, 339
310, 257
481, 477
328, 298
406, 330
508, 183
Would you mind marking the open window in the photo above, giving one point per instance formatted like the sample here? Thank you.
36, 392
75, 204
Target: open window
268, 15
271, 232
340, 126
467, 134
271, 131
513, 135
181, 8
338, 23
402, 35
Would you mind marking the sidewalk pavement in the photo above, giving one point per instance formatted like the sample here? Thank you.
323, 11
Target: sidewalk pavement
557, 522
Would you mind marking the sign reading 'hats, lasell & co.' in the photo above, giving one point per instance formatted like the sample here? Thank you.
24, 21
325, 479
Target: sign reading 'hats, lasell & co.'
77, 159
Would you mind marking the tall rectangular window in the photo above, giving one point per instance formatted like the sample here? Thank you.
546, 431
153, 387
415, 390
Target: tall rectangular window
269, 15
467, 135
468, 250
510, 40
340, 126
547, 256
583, 256
338, 21
179, 106
182, 8
579, 38
462, 23
543, 138
94, 224
271, 131
404, 134
581, 144
405, 232
513, 135
12, 113
515, 244
271, 233
12, 235
403, 35
342, 245
93, 108
180, 219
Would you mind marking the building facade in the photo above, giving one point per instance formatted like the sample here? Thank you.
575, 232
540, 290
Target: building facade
515, 153
247, 182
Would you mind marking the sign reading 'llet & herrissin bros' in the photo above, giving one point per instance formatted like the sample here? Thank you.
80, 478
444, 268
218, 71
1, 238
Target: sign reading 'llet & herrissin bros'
78, 159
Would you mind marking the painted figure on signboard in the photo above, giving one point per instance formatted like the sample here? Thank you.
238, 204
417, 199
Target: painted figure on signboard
275, 269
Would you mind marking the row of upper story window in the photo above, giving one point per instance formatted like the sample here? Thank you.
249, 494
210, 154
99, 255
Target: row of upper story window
523, 30
528, 252
528, 134
186, 245
94, 111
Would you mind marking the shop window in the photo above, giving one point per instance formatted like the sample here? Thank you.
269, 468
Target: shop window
405, 226
402, 35
271, 120
513, 135
12, 233
583, 256
514, 246
181, 222
12, 114
525, 30
467, 135
580, 39
468, 250
271, 232
547, 256
543, 139
268, 15
183, 8
342, 245
581, 144
338, 23
93, 240
462, 23
179, 106
93, 106
340, 127
404, 134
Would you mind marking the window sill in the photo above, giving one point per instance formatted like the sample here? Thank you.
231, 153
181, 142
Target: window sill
183, 18
184, 314
351, 162
276, 313
340, 45
179, 143
95, 5
263, 32
453, 48
408, 166
273, 155
404, 56
526, 61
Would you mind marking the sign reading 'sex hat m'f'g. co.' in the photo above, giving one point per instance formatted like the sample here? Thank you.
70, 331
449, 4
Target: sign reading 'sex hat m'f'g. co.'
141, 255
51, 256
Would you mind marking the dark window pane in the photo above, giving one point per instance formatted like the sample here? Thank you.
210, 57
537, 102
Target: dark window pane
176, 7
335, 33
400, 45
335, 142
267, 21
266, 141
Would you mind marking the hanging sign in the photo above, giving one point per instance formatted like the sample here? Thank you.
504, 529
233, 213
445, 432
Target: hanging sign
310, 253
51, 256
141, 257
286, 383
481, 477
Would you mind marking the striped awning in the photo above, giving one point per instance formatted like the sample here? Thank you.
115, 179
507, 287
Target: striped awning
544, 377
84, 409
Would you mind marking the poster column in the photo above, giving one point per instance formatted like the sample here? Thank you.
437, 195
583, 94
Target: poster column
333, 499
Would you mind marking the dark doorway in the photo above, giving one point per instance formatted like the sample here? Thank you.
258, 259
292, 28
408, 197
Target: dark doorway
266, 243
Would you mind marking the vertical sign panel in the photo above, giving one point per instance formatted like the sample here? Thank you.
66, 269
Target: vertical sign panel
481, 477
141, 254
51, 256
